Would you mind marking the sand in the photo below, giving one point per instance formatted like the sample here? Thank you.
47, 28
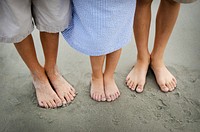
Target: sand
178, 111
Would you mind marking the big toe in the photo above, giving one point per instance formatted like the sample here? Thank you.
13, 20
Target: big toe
164, 88
98, 98
103, 98
140, 88
58, 102
63, 101
108, 98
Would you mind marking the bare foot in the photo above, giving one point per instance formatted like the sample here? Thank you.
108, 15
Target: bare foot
111, 89
46, 96
136, 79
63, 89
166, 81
97, 89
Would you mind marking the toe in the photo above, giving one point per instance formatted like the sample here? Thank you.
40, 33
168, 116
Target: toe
127, 78
70, 96
174, 79
139, 88
116, 95
174, 83
50, 105
63, 101
45, 105
67, 98
172, 86
92, 95
103, 98
73, 89
58, 102
72, 93
100, 98
133, 86
129, 82
168, 86
164, 88
40, 103
108, 98
95, 97
53, 104
113, 97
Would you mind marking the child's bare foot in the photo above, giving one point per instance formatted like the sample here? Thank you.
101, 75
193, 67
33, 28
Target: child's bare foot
111, 89
97, 89
63, 89
166, 81
136, 79
46, 96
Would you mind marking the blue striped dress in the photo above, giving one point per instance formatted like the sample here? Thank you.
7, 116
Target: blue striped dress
99, 27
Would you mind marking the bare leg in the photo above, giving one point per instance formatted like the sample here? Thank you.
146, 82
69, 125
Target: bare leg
111, 89
97, 86
50, 47
137, 77
166, 18
45, 95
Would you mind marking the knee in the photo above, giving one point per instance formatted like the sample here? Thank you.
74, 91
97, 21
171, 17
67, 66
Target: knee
144, 2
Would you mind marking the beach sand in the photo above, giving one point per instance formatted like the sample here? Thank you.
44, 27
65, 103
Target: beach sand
152, 110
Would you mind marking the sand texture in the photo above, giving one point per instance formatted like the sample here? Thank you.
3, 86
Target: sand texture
153, 111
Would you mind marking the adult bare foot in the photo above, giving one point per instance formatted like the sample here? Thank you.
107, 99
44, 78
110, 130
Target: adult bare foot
111, 89
97, 89
136, 79
63, 89
166, 81
46, 96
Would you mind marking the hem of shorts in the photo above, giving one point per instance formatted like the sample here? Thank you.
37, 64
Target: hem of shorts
52, 29
100, 52
185, 2
17, 38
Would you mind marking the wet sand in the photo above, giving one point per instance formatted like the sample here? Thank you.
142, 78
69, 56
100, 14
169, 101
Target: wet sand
178, 111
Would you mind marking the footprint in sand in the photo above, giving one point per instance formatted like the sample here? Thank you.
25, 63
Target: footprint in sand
161, 104
177, 95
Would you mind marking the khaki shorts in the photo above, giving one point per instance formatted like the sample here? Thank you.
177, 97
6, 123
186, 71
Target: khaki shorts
17, 17
185, 1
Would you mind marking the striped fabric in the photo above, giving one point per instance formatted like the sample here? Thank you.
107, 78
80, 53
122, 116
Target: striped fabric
99, 27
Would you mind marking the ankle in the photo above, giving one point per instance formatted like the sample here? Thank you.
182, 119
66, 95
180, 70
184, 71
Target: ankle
156, 56
97, 77
156, 62
51, 71
39, 75
108, 77
143, 57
